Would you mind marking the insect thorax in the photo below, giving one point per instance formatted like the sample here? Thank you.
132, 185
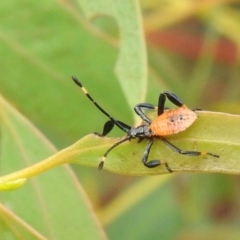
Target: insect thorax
140, 131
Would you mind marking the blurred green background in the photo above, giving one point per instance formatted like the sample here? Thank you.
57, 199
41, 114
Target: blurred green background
192, 50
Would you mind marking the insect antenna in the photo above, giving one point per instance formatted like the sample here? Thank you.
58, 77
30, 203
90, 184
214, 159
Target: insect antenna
123, 126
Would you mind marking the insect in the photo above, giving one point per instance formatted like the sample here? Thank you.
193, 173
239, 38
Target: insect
168, 122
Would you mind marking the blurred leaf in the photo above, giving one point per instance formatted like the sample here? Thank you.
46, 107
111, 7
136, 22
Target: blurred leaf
162, 215
226, 22
131, 197
54, 203
217, 231
45, 49
131, 67
18, 228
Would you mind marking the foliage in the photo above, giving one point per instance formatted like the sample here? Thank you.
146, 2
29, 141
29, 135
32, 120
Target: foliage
42, 45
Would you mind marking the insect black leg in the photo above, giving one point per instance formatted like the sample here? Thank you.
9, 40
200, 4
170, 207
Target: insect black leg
124, 127
188, 153
171, 97
152, 163
101, 164
144, 106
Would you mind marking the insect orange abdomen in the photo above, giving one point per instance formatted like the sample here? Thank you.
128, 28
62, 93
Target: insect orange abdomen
173, 121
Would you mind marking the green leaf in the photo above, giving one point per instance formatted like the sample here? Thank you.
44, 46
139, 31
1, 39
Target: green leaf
11, 185
217, 133
43, 202
12, 227
131, 67
45, 49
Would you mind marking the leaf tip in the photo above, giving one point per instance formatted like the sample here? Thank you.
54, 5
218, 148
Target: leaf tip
12, 184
